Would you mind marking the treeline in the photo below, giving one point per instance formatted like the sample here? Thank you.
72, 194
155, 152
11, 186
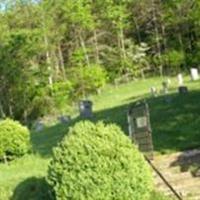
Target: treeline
53, 53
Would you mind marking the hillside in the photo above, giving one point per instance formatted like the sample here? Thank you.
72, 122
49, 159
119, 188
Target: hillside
175, 125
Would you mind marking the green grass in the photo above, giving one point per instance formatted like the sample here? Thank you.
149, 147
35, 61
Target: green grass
175, 125
174, 118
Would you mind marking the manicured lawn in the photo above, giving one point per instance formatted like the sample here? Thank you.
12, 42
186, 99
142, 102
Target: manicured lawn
175, 118
175, 124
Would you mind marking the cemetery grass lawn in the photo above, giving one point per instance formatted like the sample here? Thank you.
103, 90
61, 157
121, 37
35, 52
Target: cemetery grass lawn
175, 124
175, 118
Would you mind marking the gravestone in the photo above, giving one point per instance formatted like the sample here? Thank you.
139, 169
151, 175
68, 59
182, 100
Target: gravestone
64, 119
194, 74
85, 109
165, 87
140, 128
39, 126
183, 90
153, 91
180, 79
169, 82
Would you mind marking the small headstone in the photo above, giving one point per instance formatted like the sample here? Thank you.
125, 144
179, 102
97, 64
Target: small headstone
180, 79
183, 90
153, 91
165, 87
85, 109
168, 99
64, 119
169, 82
39, 126
140, 128
194, 74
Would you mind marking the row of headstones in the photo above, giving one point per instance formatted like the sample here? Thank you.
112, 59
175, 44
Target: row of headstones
193, 73
85, 110
85, 107
181, 87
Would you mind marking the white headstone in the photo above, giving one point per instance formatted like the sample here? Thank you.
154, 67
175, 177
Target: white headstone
194, 74
39, 126
153, 91
169, 82
180, 79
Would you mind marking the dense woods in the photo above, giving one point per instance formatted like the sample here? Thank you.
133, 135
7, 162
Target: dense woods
53, 53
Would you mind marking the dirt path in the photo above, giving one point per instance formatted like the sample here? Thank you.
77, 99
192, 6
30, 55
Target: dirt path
176, 168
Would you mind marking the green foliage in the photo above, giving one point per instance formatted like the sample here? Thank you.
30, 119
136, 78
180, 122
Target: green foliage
21, 82
175, 59
14, 139
41, 104
45, 43
62, 94
88, 79
97, 161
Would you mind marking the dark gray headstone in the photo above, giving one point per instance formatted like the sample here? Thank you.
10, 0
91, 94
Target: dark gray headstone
140, 128
85, 109
183, 90
64, 119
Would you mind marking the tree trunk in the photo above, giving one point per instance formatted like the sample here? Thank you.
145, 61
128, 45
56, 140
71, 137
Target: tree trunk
137, 31
122, 43
56, 64
1, 111
157, 37
61, 62
10, 110
84, 49
180, 39
96, 48
48, 60
121, 46
120, 53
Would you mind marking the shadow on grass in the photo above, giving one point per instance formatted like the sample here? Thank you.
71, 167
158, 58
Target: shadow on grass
175, 122
44, 141
174, 118
33, 189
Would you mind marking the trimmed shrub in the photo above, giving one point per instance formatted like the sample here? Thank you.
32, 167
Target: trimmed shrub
97, 161
14, 139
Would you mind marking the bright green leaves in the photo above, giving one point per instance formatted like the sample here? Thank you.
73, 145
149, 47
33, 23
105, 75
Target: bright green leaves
97, 161
14, 139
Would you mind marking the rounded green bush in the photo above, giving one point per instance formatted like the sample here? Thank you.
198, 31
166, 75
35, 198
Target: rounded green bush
14, 139
97, 161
